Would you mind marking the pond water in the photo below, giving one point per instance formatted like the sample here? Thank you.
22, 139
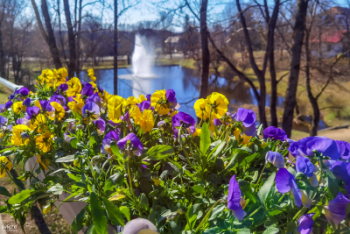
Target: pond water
185, 83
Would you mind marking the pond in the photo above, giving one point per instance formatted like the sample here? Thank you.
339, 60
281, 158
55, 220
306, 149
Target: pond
185, 83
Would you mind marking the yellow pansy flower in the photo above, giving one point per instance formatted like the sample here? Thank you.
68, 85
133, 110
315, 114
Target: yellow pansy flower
197, 132
59, 111
200, 108
4, 161
142, 98
146, 121
16, 138
156, 181
39, 122
60, 76
91, 74
44, 141
173, 113
106, 96
94, 85
241, 137
76, 163
116, 197
44, 163
217, 104
77, 104
46, 77
135, 113
131, 101
18, 107
74, 87
158, 101
115, 107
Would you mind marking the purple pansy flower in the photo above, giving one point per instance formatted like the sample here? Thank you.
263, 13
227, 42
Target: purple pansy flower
126, 117
2, 108
91, 110
59, 99
160, 123
27, 102
3, 122
305, 224
88, 90
217, 122
341, 170
94, 98
101, 126
46, 106
24, 91
67, 138
305, 166
135, 143
248, 118
8, 104
335, 212
145, 105
275, 158
275, 133
185, 120
344, 148
109, 137
148, 96
24, 121
33, 111
234, 199
171, 96
285, 182
324, 145
62, 88
293, 148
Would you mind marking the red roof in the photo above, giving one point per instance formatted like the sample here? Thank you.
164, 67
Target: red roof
331, 37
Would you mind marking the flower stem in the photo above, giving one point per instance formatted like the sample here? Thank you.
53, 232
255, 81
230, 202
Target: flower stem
207, 215
129, 175
262, 171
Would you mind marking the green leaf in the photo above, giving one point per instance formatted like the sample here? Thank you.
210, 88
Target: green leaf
57, 189
117, 178
214, 230
69, 158
99, 218
92, 141
114, 214
216, 211
126, 211
159, 152
205, 138
198, 189
77, 223
5, 192
247, 190
271, 230
219, 149
21, 196
144, 200
74, 143
108, 186
115, 150
333, 186
244, 231
266, 188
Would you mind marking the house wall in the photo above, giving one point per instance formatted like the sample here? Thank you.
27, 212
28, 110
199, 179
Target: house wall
328, 50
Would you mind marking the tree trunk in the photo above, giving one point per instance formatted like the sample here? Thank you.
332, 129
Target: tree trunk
205, 49
50, 36
299, 31
271, 57
2, 56
77, 69
71, 41
312, 99
115, 67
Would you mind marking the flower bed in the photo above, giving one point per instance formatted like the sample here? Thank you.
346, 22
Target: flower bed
143, 157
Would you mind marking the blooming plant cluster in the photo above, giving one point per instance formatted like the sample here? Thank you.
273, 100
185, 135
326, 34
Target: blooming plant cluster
143, 157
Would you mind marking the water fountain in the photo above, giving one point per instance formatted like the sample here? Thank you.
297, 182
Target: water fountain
142, 60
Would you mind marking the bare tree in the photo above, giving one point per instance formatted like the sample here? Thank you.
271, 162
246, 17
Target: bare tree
205, 49
298, 37
71, 41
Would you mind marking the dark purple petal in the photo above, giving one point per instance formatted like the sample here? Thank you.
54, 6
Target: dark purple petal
183, 119
70, 99
94, 98
275, 133
170, 95
3, 121
293, 148
135, 143
46, 106
296, 192
324, 145
59, 99
24, 91
2, 108
275, 158
336, 209
234, 199
90, 109
305, 223
344, 148
285, 182
250, 131
341, 170
148, 97
305, 166
88, 90
27, 102
33, 111
8, 104
217, 122
100, 124
62, 87
145, 105
246, 116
